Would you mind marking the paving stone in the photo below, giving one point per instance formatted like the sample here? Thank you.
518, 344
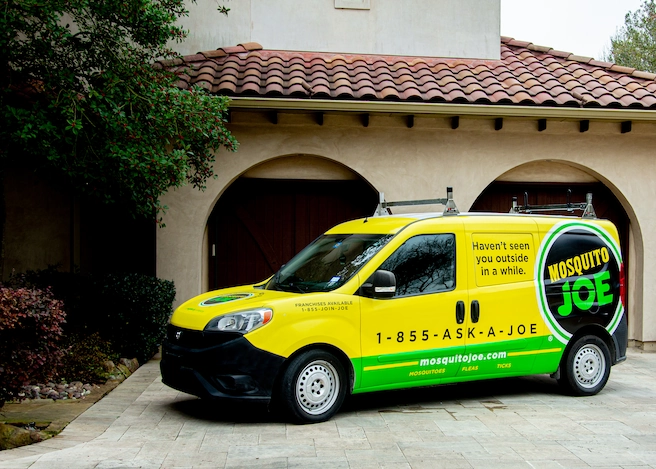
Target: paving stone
454, 463
263, 452
341, 443
517, 423
318, 462
463, 428
272, 463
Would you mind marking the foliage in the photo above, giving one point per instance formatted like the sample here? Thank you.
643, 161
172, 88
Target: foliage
133, 310
130, 311
79, 94
30, 332
85, 357
635, 43
71, 288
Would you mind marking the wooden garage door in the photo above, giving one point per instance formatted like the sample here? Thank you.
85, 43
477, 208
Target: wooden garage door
498, 198
259, 224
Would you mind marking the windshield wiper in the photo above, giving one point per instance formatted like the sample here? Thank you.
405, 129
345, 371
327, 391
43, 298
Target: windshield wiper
296, 286
274, 284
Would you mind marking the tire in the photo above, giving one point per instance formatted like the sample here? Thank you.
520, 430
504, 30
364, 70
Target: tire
586, 367
313, 387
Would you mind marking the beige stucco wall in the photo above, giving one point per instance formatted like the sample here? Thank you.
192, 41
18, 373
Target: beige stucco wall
427, 28
419, 162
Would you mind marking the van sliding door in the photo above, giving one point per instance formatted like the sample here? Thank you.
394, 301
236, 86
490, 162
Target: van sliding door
505, 331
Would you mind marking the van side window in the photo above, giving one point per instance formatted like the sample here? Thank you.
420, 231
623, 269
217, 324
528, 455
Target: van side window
424, 264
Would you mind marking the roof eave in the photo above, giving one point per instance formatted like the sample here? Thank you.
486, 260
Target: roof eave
441, 109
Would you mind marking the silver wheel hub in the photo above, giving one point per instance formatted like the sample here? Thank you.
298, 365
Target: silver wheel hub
317, 387
589, 366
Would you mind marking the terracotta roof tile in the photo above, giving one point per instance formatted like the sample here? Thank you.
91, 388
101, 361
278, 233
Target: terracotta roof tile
513, 42
212, 54
526, 74
606, 99
620, 69
232, 50
651, 87
639, 93
646, 75
648, 100
251, 46
559, 53
538, 48
580, 58
598, 63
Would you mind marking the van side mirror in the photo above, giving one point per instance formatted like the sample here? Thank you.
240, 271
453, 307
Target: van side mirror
382, 284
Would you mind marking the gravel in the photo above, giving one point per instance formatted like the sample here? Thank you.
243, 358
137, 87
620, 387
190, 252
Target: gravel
56, 391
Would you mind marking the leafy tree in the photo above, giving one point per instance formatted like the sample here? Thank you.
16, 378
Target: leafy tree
80, 96
634, 45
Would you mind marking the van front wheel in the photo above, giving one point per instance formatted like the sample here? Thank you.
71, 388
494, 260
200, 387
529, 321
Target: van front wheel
313, 387
586, 368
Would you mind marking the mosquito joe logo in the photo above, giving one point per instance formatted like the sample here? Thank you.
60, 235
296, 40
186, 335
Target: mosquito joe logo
577, 279
225, 298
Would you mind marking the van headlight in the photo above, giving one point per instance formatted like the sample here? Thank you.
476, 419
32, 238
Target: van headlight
243, 321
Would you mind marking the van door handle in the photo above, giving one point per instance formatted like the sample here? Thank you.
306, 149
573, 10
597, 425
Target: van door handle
475, 311
460, 312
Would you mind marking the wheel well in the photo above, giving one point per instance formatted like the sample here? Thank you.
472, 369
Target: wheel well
338, 353
597, 331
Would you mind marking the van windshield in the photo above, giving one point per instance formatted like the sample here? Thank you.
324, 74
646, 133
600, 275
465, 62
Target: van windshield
327, 263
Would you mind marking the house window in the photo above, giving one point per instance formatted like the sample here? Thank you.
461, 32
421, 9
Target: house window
353, 4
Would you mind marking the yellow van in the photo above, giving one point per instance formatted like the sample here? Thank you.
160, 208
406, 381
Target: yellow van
398, 301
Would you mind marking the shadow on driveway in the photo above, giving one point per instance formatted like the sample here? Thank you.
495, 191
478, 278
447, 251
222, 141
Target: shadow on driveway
406, 400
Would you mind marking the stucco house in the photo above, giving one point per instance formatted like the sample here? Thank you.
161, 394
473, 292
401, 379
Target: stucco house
343, 100
335, 101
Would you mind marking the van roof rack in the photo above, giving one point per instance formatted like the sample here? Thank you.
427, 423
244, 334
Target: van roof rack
449, 205
586, 207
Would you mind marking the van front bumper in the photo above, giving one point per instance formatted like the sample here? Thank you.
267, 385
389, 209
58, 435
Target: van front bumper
218, 365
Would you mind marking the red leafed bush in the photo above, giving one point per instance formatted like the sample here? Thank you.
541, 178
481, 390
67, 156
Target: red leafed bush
30, 330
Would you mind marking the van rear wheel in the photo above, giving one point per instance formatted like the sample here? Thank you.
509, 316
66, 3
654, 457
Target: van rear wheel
586, 368
313, 387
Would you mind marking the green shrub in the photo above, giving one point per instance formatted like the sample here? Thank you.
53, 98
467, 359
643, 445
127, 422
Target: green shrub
85, 357
130, 311
30, 332
134, 310
71, 288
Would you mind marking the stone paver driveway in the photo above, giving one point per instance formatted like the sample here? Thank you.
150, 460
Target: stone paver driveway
510, 423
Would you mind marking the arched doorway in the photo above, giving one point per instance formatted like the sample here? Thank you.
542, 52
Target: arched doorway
548, 183
274, 210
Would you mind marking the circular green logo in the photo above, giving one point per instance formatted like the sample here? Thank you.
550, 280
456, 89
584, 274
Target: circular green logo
578, 279
217, 300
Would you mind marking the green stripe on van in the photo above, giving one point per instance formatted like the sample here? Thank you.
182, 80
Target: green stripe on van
434, 366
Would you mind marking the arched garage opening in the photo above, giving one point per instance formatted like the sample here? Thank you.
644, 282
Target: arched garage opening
274, 210
548, 182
